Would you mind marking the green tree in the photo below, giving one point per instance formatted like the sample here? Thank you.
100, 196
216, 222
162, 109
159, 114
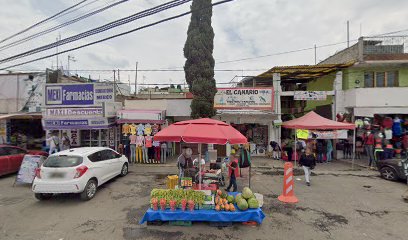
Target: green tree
199, 66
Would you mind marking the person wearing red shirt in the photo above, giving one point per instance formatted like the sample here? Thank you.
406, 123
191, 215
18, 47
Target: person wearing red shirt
369, 146
233, 173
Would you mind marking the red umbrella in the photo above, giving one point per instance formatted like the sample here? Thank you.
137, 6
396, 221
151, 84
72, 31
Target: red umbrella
202, 130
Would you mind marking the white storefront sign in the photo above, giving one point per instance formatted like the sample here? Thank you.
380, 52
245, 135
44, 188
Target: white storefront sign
244, 98
335, 134
110, 109
310, 95
141, 114
73, 112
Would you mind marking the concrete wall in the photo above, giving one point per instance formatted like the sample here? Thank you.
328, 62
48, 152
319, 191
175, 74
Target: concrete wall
321, 84
376, 97
173, 107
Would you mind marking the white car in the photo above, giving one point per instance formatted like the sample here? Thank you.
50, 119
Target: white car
78, 170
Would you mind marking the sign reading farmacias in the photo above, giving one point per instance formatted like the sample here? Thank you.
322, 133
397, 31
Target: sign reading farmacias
85, 94
244, 98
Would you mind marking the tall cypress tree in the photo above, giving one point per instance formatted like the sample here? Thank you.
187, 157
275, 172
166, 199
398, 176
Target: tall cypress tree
199, 66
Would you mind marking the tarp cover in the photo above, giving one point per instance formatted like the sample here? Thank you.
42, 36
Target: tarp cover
255, 215
314, 121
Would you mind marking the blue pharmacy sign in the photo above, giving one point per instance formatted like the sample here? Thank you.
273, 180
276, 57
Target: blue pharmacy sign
78, 94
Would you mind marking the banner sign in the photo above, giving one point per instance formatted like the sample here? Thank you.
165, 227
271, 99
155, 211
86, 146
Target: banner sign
302, 134
91, 123
310, 95
335, 134
26, 174
244, 98
73, 112
85, 94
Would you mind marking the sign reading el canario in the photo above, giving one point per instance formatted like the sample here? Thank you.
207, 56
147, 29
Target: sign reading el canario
310, 95
83, 94
73, 112
244, 98
53, 124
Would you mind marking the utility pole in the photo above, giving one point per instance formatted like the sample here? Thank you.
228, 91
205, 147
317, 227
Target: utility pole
70, 58
114, 85
136, 79
315, 54
348, 33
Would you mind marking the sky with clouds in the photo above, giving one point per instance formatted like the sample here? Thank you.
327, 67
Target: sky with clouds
244, 29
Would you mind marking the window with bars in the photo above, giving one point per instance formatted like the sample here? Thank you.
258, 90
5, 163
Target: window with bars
381, 79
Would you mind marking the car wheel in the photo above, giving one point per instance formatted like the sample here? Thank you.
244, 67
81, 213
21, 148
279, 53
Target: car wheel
43, 196
125, 170
388, 173
90, 190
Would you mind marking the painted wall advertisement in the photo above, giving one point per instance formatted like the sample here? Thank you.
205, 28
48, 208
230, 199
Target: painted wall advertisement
85, 94
310, 95
244, 98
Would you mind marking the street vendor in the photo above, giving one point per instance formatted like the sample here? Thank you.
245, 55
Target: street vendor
181, 162
233, 172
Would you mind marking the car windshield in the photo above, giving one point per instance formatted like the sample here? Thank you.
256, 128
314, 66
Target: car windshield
62, 161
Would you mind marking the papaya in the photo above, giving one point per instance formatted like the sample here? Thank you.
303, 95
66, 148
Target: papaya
227, 207
217, 208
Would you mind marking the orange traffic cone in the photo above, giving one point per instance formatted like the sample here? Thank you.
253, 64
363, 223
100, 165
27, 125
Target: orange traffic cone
288, 195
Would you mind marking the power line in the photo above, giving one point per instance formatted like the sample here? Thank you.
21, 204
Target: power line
100, 29
42, 21
36, 35
117, 35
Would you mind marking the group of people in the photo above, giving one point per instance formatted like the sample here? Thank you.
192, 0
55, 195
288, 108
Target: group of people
323, 149
56, 144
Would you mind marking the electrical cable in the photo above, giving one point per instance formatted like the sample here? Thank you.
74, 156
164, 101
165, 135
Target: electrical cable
36, 35
115, 36
42, 21
100, 29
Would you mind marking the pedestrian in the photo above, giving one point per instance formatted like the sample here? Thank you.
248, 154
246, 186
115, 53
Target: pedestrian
232, 172
320, 151
308, 162
66, 142
53, 142
359, 147
181, 163
289, 149
329, 148
369, 147
275, 150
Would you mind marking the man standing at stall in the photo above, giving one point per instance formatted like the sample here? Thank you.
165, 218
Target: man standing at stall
232, 172
181, 163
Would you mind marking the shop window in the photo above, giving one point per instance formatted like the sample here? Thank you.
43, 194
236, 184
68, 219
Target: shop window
392, 79
381, 79
369, 79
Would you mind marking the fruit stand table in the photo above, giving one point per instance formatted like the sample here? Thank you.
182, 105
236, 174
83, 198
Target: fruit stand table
255, 215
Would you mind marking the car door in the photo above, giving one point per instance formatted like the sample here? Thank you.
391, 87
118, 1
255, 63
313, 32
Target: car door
99, 166
16, 156
110, 163
4, 162
117, 162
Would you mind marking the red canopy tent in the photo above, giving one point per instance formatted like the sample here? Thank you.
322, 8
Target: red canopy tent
313, 121
200, 131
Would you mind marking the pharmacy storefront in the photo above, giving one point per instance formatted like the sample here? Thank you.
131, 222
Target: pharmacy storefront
86, 112
250, 111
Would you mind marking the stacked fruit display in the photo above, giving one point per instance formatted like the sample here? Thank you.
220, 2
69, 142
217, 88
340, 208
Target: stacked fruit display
223, 202
246, 200
180, 196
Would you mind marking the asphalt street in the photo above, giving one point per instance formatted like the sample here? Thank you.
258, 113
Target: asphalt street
342, 203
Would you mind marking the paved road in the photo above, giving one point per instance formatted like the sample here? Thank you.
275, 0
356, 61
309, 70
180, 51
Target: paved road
340, 204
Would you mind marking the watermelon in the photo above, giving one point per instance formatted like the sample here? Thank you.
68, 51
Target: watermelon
253, 203
246, 193
238, 197
230, 198
242, 204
